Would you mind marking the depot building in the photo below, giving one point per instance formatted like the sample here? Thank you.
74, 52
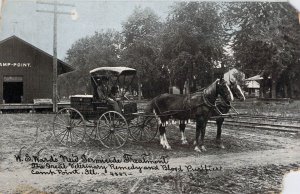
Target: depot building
26, 72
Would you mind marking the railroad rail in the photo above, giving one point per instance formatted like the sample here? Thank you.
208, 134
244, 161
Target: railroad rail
271, 118
262, 122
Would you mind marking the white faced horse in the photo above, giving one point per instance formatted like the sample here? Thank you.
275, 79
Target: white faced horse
199, 106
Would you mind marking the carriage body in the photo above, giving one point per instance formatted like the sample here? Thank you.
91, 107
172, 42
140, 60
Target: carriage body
93, 106
92, 109
96, 117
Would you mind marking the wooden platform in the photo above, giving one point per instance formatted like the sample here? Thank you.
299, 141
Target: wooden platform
31, 107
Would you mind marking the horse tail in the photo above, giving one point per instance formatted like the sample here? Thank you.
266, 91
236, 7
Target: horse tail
152, 110
150, 107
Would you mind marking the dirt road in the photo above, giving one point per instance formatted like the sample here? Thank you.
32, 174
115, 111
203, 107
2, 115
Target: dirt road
249, 154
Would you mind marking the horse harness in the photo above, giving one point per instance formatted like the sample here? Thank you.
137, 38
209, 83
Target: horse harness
189, 107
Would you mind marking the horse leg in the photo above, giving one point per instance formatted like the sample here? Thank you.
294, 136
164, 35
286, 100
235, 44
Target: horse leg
182, 128
219, 131
199, 123
203, 129
162, 131
163, 138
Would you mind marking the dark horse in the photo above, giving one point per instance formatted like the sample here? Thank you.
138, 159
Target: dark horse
197, 106
224, 107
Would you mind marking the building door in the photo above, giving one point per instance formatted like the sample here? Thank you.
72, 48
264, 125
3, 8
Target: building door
13, 89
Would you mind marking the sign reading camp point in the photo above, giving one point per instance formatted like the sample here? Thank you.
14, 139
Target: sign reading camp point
26, 65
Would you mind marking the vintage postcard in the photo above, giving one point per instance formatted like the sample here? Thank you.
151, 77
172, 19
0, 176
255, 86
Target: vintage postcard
149, 96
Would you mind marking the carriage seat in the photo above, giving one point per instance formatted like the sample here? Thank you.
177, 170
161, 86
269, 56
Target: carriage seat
101, 105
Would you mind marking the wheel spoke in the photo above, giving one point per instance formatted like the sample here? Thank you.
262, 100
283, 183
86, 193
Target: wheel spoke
123, 133
75, 134
71, 138
107, 122
72, 120
68, 136
93, 134
147, 133
59, 129
111, 129
62, 132
79, 122
120, 136
69, 127
109, 117
61, 119
144, 129
106, 136
114, 118
60, 124
116, 137
141, 134
68, 116
134, 130
64, 136
103, 124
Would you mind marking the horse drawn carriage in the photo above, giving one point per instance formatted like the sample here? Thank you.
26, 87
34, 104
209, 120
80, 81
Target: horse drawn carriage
108, 115
111, 120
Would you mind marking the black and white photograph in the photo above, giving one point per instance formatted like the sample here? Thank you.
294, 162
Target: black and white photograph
145, 97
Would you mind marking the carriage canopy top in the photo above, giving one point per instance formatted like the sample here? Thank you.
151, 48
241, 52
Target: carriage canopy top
115, 71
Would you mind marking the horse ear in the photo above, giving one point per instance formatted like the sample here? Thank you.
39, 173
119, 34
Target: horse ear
221, 77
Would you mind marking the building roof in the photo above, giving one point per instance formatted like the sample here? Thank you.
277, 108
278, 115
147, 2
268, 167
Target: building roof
252, 84
62, 67
113, 70
254, 78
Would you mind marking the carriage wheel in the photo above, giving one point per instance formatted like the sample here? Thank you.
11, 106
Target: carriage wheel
69, 127
92, 130
144, 129
112, 129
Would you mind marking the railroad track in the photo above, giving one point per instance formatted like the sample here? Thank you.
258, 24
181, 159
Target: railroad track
271, 118
259, 122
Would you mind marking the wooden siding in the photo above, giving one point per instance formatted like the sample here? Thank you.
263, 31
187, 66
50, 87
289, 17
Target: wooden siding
37, 79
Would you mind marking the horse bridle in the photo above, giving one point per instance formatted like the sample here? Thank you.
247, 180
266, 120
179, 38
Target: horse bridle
205, 100
210, 105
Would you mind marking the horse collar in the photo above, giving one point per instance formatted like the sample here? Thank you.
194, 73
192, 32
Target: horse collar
206, 101
225, 103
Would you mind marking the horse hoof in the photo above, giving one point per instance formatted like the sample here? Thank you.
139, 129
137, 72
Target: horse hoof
184, 142
222, 146
167, 147
203, 148
197, 149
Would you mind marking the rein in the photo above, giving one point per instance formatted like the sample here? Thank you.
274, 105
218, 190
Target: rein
206, 101
189, 108
224, 103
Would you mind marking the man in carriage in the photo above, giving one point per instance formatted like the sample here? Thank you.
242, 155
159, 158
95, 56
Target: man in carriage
103, 91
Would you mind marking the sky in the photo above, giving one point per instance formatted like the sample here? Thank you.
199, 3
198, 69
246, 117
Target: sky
20, 18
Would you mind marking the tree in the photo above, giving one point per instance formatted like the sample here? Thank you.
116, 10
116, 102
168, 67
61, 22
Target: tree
265, 39
140, 50
193, 41
101, 49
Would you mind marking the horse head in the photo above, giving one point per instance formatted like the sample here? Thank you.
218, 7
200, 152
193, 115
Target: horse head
237, 91
223, 90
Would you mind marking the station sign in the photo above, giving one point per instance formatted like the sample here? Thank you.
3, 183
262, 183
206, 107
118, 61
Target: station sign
24, 65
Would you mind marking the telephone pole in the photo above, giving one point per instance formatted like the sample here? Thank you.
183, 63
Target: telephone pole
55, 13
14, 27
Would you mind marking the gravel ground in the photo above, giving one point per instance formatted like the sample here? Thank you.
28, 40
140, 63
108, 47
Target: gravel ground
262, 175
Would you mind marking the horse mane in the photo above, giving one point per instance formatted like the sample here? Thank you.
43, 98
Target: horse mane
212, 86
